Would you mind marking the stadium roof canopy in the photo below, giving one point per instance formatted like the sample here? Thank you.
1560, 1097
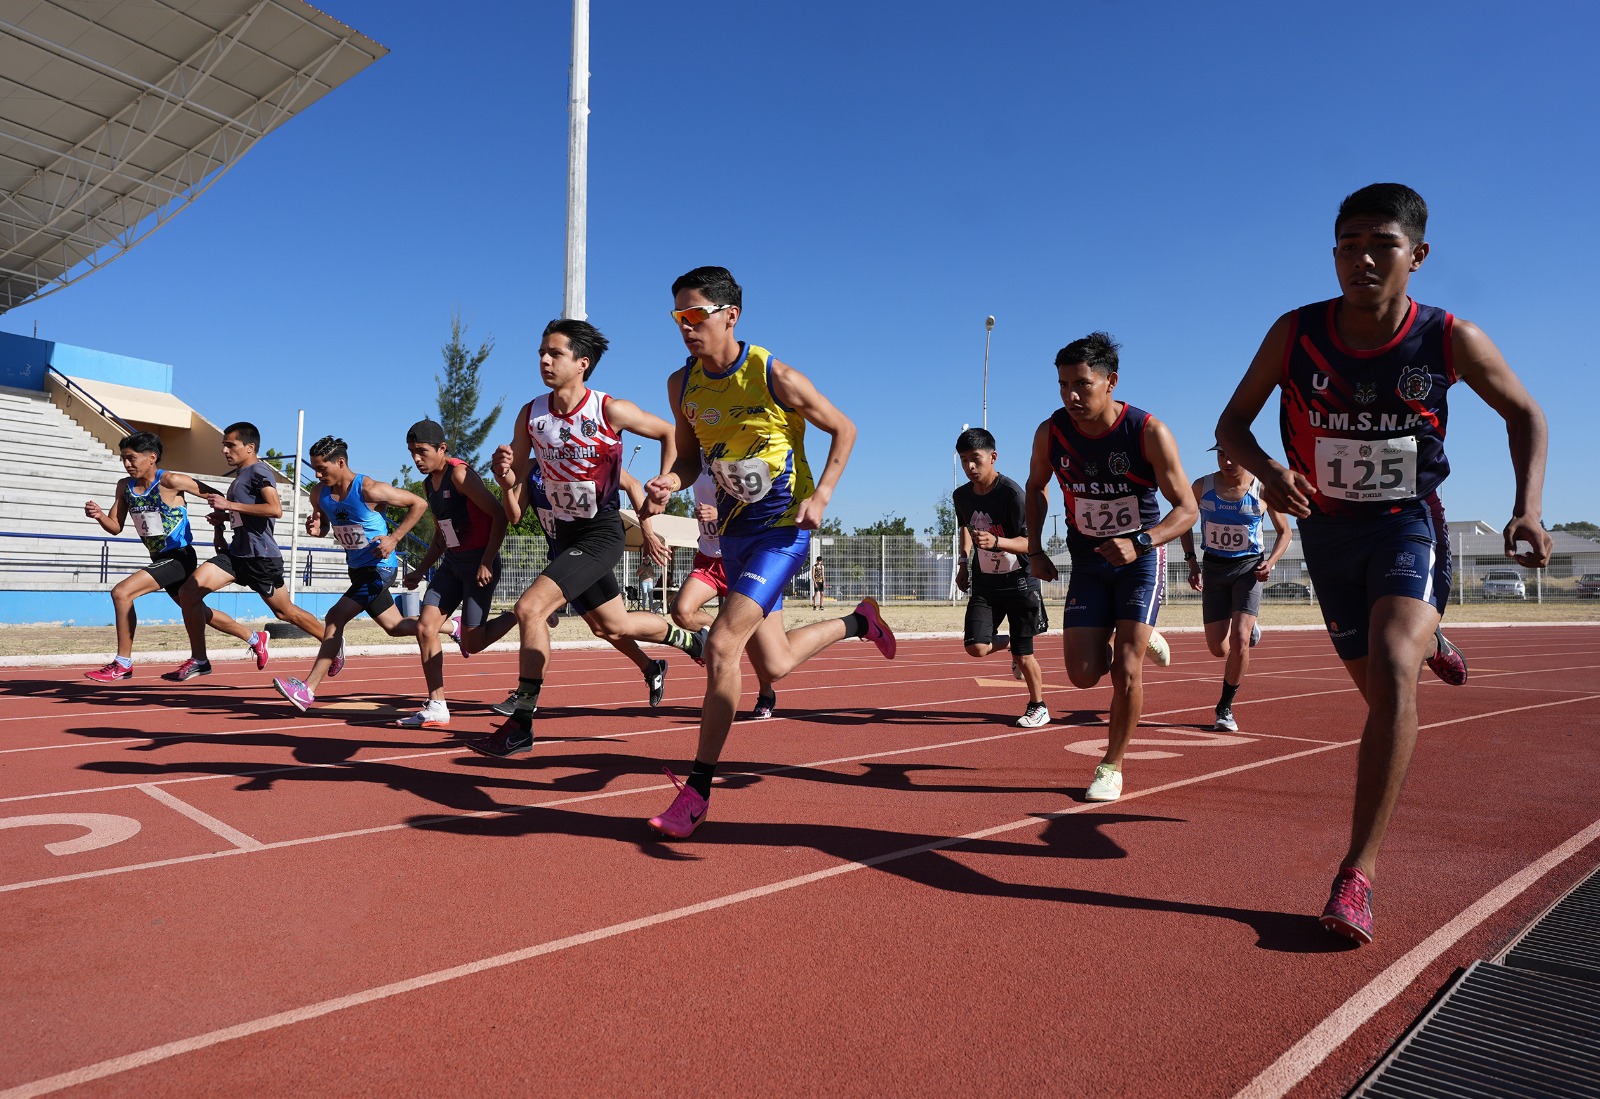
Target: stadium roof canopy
116, 114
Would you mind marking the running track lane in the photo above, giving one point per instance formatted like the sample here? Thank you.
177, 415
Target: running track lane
1159, 945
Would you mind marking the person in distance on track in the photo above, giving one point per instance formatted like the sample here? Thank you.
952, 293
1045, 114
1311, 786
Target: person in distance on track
1364, 379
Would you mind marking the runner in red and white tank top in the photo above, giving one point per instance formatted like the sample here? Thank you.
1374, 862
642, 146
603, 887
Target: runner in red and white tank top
579, 455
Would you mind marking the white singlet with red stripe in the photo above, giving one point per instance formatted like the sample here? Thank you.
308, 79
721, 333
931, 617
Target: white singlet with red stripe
579, 455
705, 492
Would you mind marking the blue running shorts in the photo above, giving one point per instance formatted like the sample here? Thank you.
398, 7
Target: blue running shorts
1100, 594
759, 566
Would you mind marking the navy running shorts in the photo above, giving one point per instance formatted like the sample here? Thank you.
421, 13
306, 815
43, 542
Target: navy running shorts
1100, 594
455, 584
369, 588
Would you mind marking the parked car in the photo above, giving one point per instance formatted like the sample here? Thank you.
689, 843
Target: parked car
1504, 584
1589, 585
1287, 591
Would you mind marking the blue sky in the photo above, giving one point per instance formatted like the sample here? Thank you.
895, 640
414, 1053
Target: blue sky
880, 177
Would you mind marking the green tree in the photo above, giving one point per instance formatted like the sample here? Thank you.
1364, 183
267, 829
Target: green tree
1581, 529
681, 503
944, 518
459, 394
889, 525
831, 528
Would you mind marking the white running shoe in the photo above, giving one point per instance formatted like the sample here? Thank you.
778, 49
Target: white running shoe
1226, 722
1159, 651
1255, 635
1035, 715
434, 714
1107, 784
1016, 668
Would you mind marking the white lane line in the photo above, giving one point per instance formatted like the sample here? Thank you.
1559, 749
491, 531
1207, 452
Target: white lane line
1302, 1058
204, 819
154, 1054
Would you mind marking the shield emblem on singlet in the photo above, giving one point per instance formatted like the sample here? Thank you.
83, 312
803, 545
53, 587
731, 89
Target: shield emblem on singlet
1117, 463
1415, 384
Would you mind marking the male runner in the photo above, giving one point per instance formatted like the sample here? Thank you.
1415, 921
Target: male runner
1231, 511
469, 526
252, 558
351, 505
1364, 379
1110, 458
819, 577
574, 433
706, 579
154, 498
990, 509
748, 413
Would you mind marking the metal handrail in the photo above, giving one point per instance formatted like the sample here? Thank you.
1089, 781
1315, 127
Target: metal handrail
74, 387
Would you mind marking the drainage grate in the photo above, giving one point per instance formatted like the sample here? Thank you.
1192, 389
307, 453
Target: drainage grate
1566, 939
1496, 1031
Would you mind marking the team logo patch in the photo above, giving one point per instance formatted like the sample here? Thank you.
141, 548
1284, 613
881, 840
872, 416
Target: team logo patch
589, 428
540, 425
1092, 468
1405, 560
1366, 393
710, 416
1319, 382
1066, 463
1415, 383
691, 410
1117, 463
566, 433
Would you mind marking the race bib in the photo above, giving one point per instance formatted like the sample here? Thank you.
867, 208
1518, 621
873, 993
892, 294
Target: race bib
746, 480
1227, 538
350, 537
147, 521
547, 521
1367, 469
235, 520
708, 528
572, 499
997, 561
1106, 518
447, 529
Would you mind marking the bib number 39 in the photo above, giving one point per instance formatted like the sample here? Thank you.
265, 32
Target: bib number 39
746, 480
1106, 518
1367, 469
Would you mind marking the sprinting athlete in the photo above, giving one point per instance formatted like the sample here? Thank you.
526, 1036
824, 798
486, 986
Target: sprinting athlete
252, 558
602, 607
706, 579
1364, 380
153, 498
574, 433
350, 505
1110, 459
991, 512
469, 527
1229, 583
748, 413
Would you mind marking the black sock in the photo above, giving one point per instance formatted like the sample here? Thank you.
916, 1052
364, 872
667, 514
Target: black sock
1228, 691
528, 696
700, 776
855, 625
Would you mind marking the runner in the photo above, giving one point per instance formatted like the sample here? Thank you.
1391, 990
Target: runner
1110, 458
575, 435
1231, 510
351, 505
819, 576
468, 528
706, 579
748, 413
603, 608
990, 510
154, 498
1364, 379
253, 559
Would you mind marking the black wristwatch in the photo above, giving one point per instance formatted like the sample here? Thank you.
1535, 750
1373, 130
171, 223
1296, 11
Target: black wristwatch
1141, 542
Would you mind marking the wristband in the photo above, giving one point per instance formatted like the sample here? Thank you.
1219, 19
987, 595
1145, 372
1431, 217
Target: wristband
1190, 557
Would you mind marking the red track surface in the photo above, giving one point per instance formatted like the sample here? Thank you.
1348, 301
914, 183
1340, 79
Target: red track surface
896, 892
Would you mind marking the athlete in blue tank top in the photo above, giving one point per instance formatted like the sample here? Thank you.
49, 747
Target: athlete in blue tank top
1363, 381
153, 498
1110, 459
348, 506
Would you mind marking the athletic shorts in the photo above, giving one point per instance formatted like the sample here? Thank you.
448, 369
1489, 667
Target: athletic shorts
1355, 562
585, 552
601, 592
1100, 594
1229, 587
369, 588
759, 566
708, 570
987, 609
172, 568
262, 575
456, 579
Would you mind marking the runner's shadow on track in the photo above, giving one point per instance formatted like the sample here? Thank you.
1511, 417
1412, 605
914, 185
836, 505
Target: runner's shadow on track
864, 715
880, 776
213, 699
306, 750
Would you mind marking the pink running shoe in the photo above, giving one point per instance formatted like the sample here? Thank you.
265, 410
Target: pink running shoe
338, 661
187, 670
1349, 910
110, 673
298, 694
1447, 662
685, 813
458, 635
878, 631
258, 645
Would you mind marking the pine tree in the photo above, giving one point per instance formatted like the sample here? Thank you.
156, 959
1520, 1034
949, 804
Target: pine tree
458, 396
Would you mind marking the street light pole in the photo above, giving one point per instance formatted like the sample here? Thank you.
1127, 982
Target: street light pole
988, 330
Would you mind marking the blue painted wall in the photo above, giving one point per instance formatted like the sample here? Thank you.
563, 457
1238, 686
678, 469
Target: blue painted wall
93, 608
23, 361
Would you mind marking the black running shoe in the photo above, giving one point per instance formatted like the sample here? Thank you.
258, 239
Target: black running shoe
766, 705
656, 680
511, 739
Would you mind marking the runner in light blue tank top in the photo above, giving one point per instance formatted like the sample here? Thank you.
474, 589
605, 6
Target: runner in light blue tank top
356, 527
